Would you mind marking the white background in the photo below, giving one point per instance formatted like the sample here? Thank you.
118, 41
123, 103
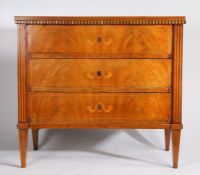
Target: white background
81, 152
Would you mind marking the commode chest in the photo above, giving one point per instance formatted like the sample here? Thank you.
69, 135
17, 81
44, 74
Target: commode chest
99, 72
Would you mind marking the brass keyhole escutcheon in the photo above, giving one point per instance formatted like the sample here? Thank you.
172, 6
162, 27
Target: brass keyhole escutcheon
99, 39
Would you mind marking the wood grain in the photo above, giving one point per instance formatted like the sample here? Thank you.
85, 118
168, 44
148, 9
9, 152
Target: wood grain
100, 40
177, 90
22, 62
131, 55
22, 90
100, 72
167, 139
176, 133
92, 75
99, 107
23, 141
35, 138
103, 125
177, 73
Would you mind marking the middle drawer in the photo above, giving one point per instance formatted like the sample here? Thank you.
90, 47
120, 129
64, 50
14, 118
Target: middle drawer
151, 75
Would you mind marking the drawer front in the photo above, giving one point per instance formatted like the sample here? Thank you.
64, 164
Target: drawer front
99, 107
100, 74
146, 41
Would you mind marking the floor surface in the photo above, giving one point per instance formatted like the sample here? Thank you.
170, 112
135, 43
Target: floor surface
99, 152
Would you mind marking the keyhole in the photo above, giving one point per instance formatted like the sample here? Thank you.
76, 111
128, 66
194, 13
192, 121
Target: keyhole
99, 106
99, 39
99, 73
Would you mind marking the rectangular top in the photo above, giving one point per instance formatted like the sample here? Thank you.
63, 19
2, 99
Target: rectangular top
100, 20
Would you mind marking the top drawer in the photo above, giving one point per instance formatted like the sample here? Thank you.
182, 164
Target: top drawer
100, 41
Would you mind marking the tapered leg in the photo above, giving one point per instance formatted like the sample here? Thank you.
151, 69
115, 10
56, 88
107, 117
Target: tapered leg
23, 138
35, 138
176, 133
167, 139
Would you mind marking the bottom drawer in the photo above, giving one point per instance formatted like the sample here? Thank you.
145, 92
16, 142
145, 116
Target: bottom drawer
99, 107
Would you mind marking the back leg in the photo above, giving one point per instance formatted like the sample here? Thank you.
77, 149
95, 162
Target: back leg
167, 139
35, 138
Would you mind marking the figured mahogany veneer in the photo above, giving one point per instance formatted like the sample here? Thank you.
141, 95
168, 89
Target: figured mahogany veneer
101, 41
69, 75
99, 107
99, 72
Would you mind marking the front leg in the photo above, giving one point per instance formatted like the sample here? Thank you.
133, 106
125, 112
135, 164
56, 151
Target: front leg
176, 133
23, 139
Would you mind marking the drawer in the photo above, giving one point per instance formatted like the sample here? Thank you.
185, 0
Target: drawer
134, 75
144, 41
99, 107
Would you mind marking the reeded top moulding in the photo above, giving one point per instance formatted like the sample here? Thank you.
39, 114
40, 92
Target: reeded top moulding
97, 20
